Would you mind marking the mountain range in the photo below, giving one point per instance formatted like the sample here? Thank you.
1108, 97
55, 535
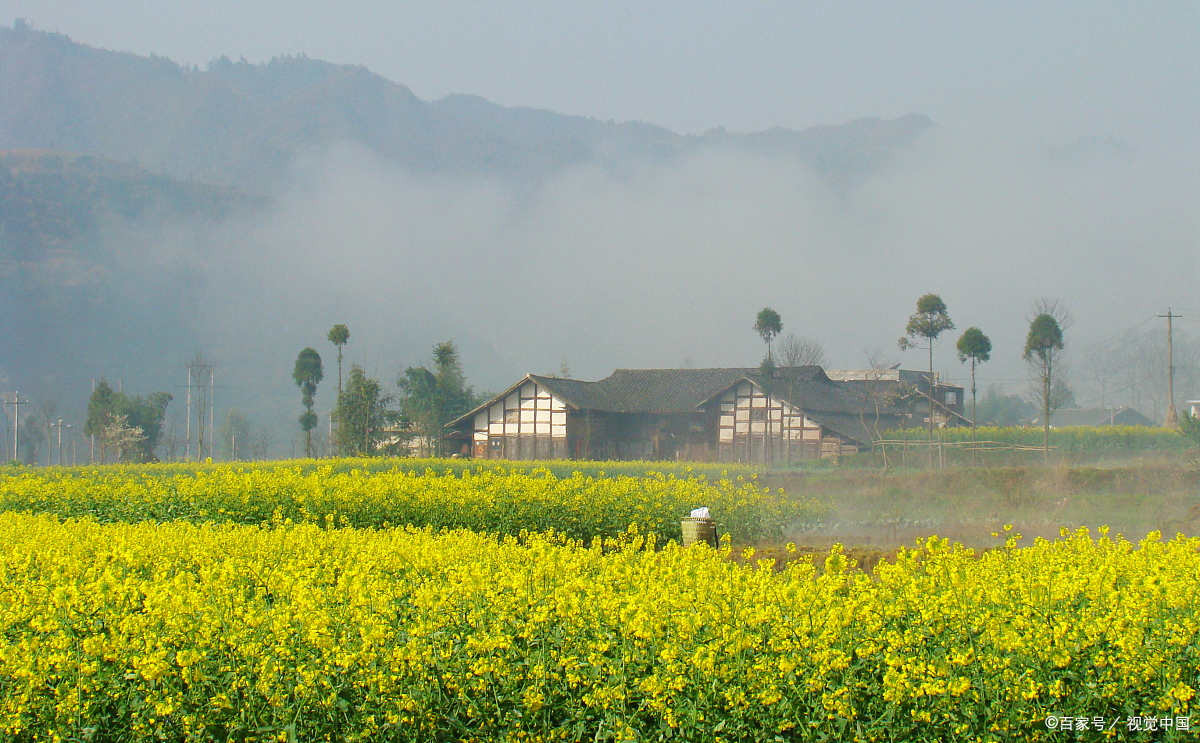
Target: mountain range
242, 124
130, 186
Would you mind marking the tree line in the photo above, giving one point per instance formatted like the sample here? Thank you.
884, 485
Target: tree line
370, 420
1042, 353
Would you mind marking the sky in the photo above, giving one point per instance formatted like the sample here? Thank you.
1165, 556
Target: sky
1127, 70
976, 211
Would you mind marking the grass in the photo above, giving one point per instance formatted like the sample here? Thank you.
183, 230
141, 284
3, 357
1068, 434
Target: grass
885, 511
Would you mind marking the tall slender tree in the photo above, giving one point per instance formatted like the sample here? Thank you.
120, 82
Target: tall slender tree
1043, 346
339, 335
767, 324
976, 347
929, 321
307, 373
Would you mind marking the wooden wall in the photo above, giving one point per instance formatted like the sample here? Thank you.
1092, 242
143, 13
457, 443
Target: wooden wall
750, 422
528, 423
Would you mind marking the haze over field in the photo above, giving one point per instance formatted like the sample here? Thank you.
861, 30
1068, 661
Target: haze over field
991, 157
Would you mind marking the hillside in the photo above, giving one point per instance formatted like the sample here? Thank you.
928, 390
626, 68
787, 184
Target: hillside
53, 201
240, 123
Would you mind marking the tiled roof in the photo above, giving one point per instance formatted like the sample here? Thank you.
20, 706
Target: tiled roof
660, 390
834, 404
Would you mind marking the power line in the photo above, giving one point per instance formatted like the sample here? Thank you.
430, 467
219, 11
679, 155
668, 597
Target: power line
16, 403
1171, 415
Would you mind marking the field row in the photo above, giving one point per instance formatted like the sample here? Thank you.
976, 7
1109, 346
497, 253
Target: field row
1066, 438
456, 467
180, 631
491, 499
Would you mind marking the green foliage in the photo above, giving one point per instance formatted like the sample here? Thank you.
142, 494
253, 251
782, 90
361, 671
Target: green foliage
339, 335
110, 411
431, 398
768, 324
363, 414
930, 320
1045, 337
1189, 427
1000, 409
307, 373
974, 346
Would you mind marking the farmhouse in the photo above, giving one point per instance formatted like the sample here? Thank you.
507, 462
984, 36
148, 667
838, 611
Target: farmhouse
909, 390
677, 414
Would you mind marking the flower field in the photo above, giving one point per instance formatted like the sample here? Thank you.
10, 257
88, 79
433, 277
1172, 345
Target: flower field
582, 505
184, 631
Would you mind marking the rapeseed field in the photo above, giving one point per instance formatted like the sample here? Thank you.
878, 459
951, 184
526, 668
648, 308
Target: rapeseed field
285, 631
305, 603
583, 505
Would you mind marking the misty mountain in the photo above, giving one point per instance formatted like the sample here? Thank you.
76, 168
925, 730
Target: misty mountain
55, 201
241, 123
151, 210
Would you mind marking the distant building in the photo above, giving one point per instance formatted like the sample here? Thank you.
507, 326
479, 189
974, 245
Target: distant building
1193, 407
909, 390
674, 414
1065, 417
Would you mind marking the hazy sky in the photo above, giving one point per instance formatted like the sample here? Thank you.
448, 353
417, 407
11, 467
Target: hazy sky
977, 211
1059, 69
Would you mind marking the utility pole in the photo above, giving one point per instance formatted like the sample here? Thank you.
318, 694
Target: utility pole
212, 406
205, 403
60, 426
187, 447
16, 403
1172, 417
92, 438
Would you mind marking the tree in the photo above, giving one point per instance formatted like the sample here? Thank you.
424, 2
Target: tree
102, 407
364, 414
1189, 427
877, 393
431, 398
768, 324
1043, 347
1000, 409
307, 374
122, 436
143, 415
930, 320
260, 447
339, 335
766, 374
796, 352
973, 345
235, 435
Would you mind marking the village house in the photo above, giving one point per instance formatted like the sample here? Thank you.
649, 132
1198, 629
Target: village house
726, 415
909, 391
